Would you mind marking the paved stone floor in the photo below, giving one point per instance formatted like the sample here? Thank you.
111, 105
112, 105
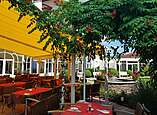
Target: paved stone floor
122, 110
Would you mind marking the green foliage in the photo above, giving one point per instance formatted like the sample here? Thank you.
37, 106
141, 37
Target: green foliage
101, 70
129, 72
144, 79
132, 22
116, 97
135, 27
147, 94
135, 75
111, 93
113, 72
70, 18
66, 75
146, 70
91, 70
142, 74
88, 73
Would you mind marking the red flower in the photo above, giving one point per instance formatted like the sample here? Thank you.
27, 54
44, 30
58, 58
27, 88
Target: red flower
114, 13
89, 29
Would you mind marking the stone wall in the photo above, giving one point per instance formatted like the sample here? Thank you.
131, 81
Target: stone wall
128, 88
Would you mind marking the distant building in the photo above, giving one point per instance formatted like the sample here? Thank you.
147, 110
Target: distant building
128, 61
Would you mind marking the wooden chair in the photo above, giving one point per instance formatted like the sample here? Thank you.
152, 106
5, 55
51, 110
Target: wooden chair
53, 83
52, 102
47, 104
139, 109
37, 108
6, 95
32, 107
146, 110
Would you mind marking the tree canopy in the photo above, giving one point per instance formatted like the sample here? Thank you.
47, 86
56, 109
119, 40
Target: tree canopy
132, 22
70, 27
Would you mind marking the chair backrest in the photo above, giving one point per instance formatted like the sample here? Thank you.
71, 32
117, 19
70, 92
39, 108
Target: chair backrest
53, 83
146, 110
37, 109
8, 89
139, 109
52, 102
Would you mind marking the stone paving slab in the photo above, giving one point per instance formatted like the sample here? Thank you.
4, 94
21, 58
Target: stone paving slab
122, 110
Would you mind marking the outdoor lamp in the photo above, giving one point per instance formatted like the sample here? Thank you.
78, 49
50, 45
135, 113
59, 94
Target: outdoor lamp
122, 99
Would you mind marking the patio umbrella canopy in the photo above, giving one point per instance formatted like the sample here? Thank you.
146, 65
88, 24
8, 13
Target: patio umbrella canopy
14, 35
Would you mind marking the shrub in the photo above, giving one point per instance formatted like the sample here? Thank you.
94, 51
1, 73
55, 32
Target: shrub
147, 94
88, 73
146, 70
101, 70
135, 75
129, 72
91, 70
142, 74
113, 72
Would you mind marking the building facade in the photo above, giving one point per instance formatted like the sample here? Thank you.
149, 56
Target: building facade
128, 61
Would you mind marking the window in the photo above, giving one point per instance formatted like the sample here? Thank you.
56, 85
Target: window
8, 67
132, 62
48, 66
34, 67
20, 64
130, 67
41, 67
1, 66
135, 68
123, 66
1, 55
27, 65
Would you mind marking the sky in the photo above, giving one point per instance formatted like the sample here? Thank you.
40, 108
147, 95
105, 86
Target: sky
114, 44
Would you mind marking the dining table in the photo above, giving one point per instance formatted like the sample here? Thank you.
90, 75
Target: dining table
16, 84
88, 108
31, 92
2, 80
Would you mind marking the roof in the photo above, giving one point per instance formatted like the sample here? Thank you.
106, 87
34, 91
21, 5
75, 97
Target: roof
129, 55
